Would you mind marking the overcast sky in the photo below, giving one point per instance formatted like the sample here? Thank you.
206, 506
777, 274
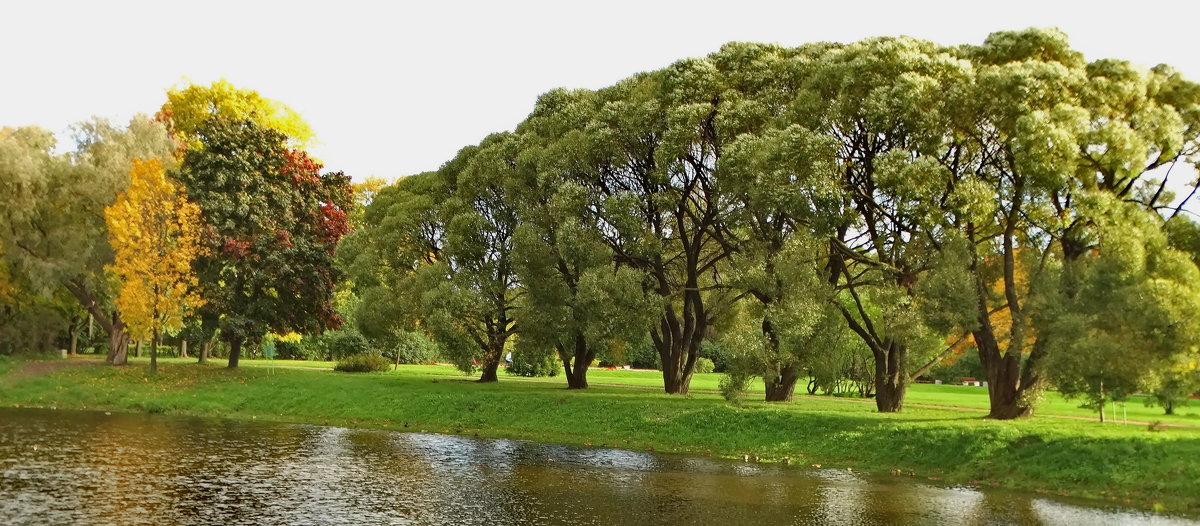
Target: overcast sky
393, 88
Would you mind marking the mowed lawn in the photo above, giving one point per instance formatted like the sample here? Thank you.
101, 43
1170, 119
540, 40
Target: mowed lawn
955, 396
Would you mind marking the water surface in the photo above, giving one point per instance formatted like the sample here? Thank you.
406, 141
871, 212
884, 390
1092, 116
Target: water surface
67, 467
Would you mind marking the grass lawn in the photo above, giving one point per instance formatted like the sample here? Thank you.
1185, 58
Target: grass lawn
1128, 464
1052, 404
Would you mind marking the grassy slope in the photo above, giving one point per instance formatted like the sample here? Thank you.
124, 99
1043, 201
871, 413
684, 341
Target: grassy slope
1086, 459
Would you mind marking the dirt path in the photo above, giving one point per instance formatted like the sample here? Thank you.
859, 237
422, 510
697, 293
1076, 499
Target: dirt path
42, 368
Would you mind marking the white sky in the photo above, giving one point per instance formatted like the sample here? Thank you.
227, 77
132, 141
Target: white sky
395, 88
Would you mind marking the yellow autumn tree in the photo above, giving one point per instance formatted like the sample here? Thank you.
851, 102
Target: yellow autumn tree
188, 107
155, 234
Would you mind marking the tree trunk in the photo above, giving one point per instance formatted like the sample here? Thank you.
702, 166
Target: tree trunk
489, 371
137, 349
782, 387
183, 348
235, 352
74, 340
678, 360
205, 348
891, 378
491, 357
153, 352
1004, 385
118, 345
118, 339
1169, 408
576, 364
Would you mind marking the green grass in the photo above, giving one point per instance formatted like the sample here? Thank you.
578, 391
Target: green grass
1052, 404
1128, 464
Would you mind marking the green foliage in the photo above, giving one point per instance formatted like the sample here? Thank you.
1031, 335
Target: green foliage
715, 351
733, 387
362, 363
530, 363
413, 347
965, 366
1174, 384
1098, 355
53, 238
704, 366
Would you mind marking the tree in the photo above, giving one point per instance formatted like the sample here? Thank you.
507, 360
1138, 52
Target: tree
155, 234
52, 210
472, 293
274, 222
1173, 383
188, 108
783, 184
884, 103
646, 158
398, 233
577, 302
1039, 134
1130, 313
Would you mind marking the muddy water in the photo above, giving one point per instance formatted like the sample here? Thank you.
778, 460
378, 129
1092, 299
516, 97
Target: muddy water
59, 467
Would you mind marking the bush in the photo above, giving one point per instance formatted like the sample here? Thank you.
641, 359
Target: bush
703, 365
285, 350
533, 363
341, 344
362, 363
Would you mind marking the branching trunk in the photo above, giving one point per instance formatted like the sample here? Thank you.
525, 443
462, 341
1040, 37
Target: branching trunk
677, 339
118, 339
1005, 389
783, 387
679, 359
891, 380
576, 362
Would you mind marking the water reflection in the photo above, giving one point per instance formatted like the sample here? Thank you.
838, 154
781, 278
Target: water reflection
88, 468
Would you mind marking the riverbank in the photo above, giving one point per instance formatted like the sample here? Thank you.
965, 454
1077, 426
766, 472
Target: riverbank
1128, 466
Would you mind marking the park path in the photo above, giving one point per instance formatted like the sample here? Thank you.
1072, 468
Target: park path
44, 367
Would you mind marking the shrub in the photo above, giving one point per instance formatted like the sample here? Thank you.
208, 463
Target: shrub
533, 363
362, 363
733, 387
703, 365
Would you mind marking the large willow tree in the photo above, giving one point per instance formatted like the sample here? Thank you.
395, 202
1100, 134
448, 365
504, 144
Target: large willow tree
905, 193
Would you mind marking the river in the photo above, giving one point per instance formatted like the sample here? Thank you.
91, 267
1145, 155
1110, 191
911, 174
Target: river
76, 467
